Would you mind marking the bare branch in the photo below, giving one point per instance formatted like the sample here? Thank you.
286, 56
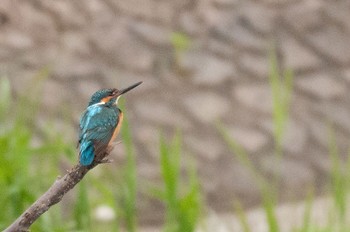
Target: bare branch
52, 196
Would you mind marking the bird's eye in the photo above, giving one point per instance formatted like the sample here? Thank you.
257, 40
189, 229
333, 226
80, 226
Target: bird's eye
113, 93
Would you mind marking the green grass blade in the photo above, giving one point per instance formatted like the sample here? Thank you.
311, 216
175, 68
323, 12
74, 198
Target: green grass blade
281, 97
170, 180
241, 216
130, 185
242, 156
190, 203
338, 178
269, 206
82, 208
169, 171
306, 226
5, 96
182, 202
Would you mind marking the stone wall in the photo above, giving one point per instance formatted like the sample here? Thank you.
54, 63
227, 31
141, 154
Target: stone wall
222, 75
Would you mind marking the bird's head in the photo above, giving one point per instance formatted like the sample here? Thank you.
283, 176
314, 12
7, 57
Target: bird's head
109, 96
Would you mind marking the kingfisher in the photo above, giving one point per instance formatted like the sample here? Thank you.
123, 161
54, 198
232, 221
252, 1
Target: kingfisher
100, 124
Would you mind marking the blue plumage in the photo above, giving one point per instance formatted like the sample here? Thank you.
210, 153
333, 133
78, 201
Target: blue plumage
100, 124
97, 126
87, 153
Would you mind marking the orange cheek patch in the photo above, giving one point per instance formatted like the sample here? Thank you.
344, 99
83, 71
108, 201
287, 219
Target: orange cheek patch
106, 99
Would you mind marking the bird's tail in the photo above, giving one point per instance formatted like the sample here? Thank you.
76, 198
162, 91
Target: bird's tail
86, 153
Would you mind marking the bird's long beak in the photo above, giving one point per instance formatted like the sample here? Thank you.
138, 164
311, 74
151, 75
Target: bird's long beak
120, 92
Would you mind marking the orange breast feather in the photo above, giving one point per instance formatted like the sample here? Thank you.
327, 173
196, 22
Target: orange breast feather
117, 129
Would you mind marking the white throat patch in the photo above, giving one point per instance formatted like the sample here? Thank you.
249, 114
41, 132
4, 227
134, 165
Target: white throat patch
116, 100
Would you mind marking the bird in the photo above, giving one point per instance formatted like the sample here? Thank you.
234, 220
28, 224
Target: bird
100, 124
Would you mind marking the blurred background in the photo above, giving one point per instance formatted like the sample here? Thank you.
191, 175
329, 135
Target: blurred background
254, 91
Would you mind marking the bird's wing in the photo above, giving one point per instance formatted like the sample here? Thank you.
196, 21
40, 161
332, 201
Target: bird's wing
97, 125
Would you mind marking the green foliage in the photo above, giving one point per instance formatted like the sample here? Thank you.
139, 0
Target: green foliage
183, 206
266, 190
5, 96
242, 217
129, 185
339, 183
281, 89
180, 42
306, 225
340, 172
24, 164
82, 208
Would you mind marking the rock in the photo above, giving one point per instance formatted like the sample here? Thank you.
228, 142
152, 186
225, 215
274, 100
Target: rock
107, 38
77, 43
237, 34
39, 24
206, 69
346, 74
43, 57
304, 17
101, 15
87, 88
69, 66
321, 86
335, 113
161, 113
152, 34
278, 3
226, 3
339, 51
138, 8
149, 138
53, 101
16, 40
65, 14
296, 56
164, 11
207, 107
5, 54
295, 137
256, 65
135, 56
243, 182
320, 160
255, 96
191, 23
252, 140
319, 132
95, 7
148, 172
339, 13
210, 14
222, 49
204, 146
258, 17
294, 175
119, 47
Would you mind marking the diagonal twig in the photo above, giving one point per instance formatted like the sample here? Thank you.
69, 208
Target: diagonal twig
51, 197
